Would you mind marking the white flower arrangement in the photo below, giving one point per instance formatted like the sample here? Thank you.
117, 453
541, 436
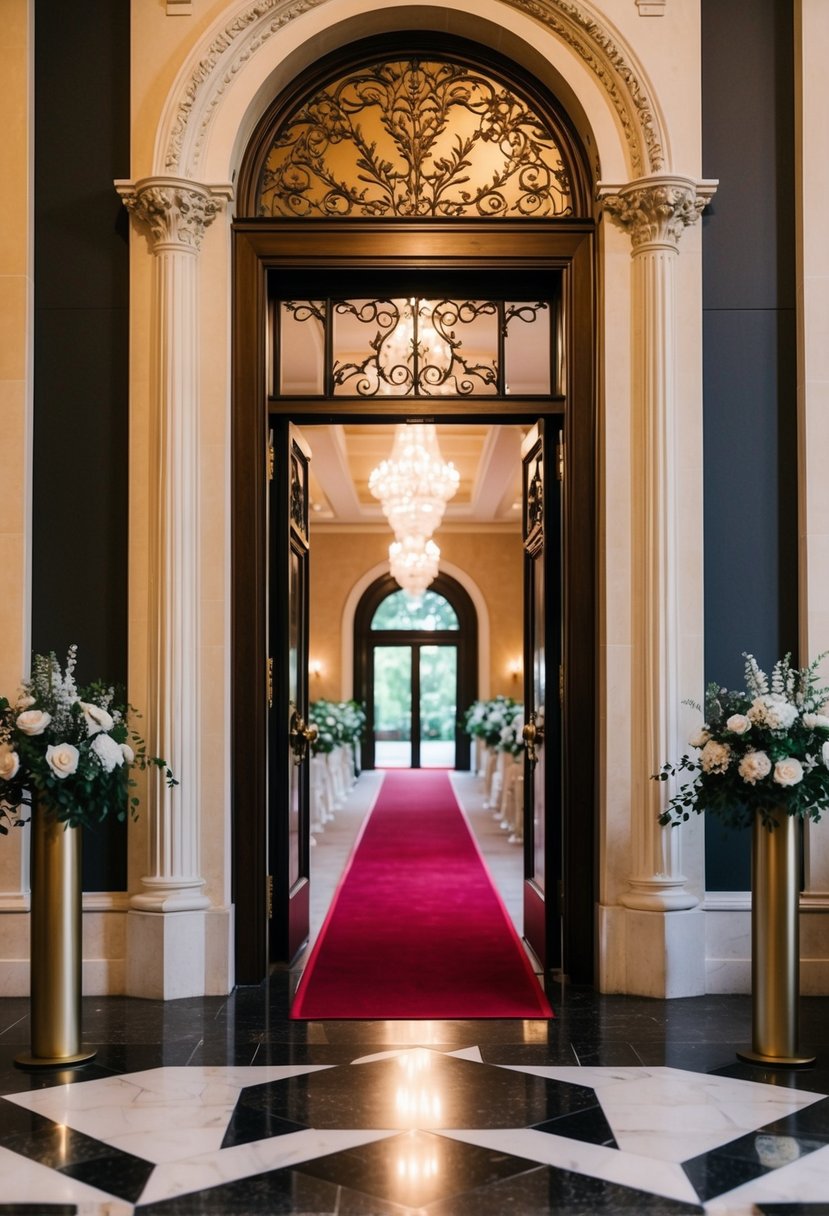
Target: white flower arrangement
495, 721
758, 750
73, 750
337, 723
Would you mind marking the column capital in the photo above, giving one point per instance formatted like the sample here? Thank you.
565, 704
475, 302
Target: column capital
176, 210
656, 210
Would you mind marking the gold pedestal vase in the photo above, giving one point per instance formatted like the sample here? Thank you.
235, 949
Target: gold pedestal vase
775, 945
55, 950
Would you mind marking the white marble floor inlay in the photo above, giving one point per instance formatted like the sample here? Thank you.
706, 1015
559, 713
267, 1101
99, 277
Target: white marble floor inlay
661, 1119
674, 1115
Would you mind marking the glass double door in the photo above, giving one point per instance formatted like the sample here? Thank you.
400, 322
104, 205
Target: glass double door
414, 705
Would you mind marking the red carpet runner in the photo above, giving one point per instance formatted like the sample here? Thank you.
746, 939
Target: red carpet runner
416, 928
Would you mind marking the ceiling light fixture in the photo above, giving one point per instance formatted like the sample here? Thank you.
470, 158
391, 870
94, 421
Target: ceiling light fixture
413, 487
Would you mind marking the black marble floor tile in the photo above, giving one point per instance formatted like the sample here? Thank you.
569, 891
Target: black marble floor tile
276, 1193
454, 1034
72, 1153
589, 1125
810, 1122
793, 1209
416, 1168
697, 1057
747, 1157
38, 1209
606, 1055
254, 1119
424, 1089
551, 1054
546, 1190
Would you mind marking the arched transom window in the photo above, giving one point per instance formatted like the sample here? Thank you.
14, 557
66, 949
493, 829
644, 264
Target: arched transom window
415, 137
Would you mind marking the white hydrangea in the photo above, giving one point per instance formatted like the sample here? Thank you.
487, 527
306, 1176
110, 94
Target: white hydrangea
816, 721
754, 766
700, 737
108, 752
715, 757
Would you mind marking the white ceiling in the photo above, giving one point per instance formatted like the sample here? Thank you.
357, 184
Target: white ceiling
488, 459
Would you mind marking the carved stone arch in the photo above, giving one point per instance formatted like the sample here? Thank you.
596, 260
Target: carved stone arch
375, 66
219, 61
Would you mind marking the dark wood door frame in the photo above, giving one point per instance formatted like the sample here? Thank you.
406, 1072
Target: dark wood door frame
563, 247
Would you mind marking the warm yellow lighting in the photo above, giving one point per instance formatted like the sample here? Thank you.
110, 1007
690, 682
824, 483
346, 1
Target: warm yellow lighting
315, 668
516, 669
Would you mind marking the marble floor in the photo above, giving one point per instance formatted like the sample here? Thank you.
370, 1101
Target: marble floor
224, 1105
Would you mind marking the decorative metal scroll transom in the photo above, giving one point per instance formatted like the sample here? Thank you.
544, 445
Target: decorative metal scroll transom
414, 347
415, 137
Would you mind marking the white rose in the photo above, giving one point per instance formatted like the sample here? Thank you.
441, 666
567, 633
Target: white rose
738, 724
127, 753
754, 766
788, 771
699, 737
24, 701
715, 757
824, 752
96, 718
813, 721
9, 764
33, 721
62, 759
108, 752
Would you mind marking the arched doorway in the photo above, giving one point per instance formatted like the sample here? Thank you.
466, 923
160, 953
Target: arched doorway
374, 250
415, 670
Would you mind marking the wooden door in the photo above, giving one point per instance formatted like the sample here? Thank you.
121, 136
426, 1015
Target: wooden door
289, 737
540, 456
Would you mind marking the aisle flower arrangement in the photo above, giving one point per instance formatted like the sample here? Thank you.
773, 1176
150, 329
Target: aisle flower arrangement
338, 723
496, 723
74, 749
760, 749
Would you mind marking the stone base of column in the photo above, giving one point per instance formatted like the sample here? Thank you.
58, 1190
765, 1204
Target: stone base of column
178, 954
660, 954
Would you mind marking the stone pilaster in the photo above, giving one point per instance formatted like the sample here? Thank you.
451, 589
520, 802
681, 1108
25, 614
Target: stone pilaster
175, 213
655, 211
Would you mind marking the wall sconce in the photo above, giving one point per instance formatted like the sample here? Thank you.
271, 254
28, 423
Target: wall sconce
516, 669
315, 668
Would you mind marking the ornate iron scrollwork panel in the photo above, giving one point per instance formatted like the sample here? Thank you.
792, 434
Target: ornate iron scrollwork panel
415, 137
408, 347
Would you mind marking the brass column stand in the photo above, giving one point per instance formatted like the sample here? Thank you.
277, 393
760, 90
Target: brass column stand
775, 945
55, 950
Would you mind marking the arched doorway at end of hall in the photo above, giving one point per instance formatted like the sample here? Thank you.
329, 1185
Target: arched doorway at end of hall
432, 655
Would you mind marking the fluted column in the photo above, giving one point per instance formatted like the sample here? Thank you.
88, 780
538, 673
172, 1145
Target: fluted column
655, 211
176, 213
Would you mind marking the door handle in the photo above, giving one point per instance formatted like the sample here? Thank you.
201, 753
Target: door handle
301, 735
533, 735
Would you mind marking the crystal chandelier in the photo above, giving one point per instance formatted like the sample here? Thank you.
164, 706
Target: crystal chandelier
414, 486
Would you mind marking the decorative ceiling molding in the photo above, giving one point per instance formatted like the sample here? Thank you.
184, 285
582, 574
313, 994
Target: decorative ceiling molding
219, 60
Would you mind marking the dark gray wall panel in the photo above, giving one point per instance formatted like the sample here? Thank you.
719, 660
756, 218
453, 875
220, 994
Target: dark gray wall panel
79, 574
749, 411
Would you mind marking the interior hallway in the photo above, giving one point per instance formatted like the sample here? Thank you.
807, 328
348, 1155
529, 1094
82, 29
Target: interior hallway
223, 1105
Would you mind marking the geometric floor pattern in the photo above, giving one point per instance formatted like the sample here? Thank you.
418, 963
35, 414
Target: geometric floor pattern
413, 1131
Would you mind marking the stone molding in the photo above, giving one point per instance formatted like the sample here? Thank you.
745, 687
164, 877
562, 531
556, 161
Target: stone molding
176, 210
219, 59
657, 210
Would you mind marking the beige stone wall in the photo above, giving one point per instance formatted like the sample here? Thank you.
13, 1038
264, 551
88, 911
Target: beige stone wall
16, 310
492, 560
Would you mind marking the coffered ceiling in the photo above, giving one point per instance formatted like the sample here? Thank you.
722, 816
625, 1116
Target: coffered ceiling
488, 459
